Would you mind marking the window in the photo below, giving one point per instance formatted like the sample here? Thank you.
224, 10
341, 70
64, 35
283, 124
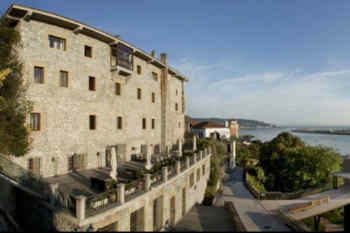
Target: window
139, 93
30, 164
38, 74
198, 174
63, 78
153, 123
117, 89
203, 169
92, 122
176, 107
122, 56
143, 123
35, 121
176, 92
119, 123
70, 163
179, 124
56, 42
155, 76
139, 71
88, 51
34, 166
92, 84
153, 97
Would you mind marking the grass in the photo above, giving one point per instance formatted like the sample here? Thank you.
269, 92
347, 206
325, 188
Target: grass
253, 181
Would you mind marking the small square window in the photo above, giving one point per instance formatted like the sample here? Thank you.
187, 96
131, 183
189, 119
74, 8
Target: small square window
38, 74
92, 122
139, 71
92, 84
117, 89
88, 51
35, 121
139, 93
63, 78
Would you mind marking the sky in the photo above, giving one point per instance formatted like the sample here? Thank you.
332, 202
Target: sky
278, 61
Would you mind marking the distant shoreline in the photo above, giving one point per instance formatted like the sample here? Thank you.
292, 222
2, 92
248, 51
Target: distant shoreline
332, 132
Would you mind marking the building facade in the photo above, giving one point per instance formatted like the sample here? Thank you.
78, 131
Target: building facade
93, 91
107, 129
209, 129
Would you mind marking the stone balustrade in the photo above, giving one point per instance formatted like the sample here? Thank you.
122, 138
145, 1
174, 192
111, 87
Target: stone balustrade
84, 204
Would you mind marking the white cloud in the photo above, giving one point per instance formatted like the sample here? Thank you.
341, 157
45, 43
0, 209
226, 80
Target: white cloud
277, 97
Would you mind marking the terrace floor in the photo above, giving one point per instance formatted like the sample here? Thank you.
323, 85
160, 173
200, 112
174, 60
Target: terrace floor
79, 182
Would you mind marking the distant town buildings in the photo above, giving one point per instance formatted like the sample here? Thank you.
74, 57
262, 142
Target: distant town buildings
208, 129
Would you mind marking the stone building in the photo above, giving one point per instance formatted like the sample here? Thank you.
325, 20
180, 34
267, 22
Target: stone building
107, 129
211, 129
93, 91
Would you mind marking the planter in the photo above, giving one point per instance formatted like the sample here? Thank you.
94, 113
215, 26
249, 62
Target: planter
112, 197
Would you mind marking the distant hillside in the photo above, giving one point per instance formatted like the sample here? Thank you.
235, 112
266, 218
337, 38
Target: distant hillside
243, 123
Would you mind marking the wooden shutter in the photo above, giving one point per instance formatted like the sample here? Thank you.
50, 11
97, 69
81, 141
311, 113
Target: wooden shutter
36, 166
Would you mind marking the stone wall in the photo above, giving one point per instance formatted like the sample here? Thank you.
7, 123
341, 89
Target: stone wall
172, 188
65, 111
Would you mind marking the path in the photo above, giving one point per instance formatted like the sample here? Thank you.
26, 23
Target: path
206, 218
253, 215
337, 198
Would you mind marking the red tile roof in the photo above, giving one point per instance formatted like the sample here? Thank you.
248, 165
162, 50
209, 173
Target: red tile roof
206, 124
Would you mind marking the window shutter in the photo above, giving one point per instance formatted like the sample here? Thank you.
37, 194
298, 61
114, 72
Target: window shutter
36, 166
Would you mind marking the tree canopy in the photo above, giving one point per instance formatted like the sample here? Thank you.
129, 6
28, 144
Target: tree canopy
14, 137
290, 165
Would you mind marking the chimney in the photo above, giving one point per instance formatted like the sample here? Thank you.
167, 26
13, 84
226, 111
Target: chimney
164, 58
153, 53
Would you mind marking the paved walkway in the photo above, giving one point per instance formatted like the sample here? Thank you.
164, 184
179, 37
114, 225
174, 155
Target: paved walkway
253, 215
206, 218
337, 198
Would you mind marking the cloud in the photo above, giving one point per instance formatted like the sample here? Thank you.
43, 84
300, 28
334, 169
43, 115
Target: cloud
281, 97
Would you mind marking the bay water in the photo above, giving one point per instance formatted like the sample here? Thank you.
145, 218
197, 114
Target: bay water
341, 143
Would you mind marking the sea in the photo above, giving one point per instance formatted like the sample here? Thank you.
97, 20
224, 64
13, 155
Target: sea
341, 143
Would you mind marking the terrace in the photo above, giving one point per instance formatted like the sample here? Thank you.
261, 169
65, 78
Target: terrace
86, 193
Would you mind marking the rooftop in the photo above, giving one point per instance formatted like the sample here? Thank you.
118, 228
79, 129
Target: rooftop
17, 12
206, 124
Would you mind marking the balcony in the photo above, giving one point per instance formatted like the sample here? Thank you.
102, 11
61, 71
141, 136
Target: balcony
87, 193
122, 59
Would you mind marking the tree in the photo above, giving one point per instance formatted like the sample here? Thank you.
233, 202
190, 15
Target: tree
290, 165
14, 136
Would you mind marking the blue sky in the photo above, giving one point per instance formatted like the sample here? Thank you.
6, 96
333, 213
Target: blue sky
284, 62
